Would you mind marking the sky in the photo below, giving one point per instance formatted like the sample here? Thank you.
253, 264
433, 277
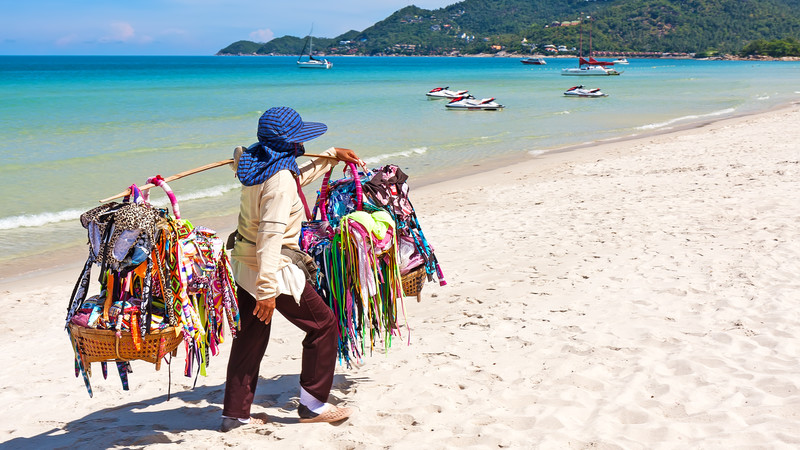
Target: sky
177, 27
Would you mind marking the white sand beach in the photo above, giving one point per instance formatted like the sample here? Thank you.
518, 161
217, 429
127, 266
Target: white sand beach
638, 294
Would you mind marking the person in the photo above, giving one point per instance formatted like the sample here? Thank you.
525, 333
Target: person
269, 268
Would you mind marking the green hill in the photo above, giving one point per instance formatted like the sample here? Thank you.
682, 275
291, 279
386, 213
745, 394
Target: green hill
479, 26
285, 45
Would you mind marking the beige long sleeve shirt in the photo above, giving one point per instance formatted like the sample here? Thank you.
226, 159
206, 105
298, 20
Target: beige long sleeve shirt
270, 216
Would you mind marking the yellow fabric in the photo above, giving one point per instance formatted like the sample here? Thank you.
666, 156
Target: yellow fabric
377, 223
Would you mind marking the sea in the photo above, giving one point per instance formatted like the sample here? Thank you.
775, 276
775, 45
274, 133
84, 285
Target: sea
77, 129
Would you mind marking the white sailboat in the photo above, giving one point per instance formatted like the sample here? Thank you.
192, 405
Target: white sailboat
311, 62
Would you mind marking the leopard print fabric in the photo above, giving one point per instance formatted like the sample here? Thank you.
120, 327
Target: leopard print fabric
133, 228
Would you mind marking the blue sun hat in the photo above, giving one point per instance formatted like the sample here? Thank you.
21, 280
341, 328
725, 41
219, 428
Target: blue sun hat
281, 133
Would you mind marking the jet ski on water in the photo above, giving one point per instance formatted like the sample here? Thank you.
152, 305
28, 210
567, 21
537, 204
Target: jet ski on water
470, 103
445, 92
580, 91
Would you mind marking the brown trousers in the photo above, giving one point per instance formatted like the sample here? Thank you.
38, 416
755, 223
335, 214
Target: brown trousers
313, 316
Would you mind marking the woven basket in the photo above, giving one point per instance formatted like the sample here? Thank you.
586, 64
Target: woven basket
103, 345
413, 281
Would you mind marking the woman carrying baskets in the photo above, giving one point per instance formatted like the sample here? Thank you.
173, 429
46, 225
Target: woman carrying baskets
272, 273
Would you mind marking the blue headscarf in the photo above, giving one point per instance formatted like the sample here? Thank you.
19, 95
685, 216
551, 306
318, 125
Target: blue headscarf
281, 133
260, 162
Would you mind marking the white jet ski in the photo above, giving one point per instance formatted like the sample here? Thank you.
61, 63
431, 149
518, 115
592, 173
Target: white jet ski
580, 91
472, 104
445, 92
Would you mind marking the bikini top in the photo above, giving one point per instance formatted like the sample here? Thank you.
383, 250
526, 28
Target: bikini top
121, 235
377, 223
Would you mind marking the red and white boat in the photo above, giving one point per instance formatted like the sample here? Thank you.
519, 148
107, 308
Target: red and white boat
591, 67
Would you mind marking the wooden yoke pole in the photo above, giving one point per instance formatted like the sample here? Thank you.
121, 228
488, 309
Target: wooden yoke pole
191, 172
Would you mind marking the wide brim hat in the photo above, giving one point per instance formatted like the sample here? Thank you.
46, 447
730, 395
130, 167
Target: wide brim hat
284, 125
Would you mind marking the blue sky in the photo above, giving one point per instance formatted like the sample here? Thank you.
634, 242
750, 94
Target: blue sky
177, 27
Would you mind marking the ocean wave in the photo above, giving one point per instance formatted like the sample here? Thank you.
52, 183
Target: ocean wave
652, 126
47, 218
216, 191
38, 220
404, 154
537, 152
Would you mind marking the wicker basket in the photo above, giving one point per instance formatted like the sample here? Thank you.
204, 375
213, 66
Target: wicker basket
413, 281
103, 345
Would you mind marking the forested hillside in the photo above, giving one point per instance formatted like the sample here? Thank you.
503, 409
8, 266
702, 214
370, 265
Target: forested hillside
524, 26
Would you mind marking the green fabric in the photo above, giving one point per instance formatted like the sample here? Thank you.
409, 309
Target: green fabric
376, 223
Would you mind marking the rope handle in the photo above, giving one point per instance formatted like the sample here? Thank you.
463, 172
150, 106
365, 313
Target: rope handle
116, 347
303, 198
323, 197
357, 179
158, 180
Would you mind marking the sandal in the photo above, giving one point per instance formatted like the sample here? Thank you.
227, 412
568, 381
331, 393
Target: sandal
229, 423
331, 415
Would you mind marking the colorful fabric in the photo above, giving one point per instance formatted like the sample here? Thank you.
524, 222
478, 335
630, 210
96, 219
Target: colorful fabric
359, 275
184, 281
388, 189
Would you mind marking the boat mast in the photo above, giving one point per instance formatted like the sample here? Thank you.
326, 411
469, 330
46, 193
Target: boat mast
310, 45
303, 51
590, 35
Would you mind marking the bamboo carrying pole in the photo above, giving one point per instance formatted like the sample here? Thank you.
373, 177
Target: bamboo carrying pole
191, 172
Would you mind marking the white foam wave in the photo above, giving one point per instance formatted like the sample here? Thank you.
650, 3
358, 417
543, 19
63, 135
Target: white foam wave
763, 97
47, 218
652, 126
38, 220
216, 191
561, 113
537, 152
404, 154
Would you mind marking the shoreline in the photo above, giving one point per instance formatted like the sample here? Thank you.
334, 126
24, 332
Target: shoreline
503, 54
639, 294
72, 257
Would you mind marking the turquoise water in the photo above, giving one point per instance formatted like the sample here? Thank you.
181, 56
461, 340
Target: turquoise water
74, 130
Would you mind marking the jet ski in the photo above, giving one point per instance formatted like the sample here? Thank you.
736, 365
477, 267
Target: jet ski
445, 92
580, 91
471, 103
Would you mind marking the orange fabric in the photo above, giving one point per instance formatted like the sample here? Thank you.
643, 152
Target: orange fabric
109, 297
